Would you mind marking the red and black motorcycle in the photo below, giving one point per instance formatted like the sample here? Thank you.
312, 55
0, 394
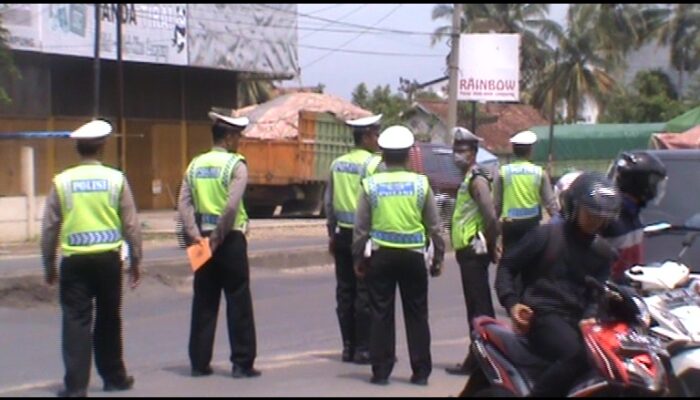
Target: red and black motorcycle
624, 359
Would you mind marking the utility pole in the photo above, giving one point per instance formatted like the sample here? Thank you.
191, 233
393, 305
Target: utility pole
454, 71
96, 66
121, 136
552, 93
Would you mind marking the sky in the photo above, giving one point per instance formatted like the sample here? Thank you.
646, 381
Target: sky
341, 71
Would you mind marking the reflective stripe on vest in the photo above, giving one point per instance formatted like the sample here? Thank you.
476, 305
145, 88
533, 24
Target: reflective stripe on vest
466, 219
89, 196
348, 171
521, 190
209, 176
397, 200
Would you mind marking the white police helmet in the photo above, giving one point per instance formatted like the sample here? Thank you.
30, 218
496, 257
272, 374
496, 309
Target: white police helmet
396, 137
236, 122
365, 121
95, 129
524, 137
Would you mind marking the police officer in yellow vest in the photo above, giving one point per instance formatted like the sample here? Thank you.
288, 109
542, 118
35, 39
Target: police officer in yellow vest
211, 205
519, 189
346, 172
90, 211
474, 234
396, 212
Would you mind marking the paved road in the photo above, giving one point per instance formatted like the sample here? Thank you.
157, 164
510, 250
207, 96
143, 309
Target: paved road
161, 253
298, 342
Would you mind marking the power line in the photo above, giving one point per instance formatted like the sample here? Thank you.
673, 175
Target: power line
364, 27
339, 18
352, 39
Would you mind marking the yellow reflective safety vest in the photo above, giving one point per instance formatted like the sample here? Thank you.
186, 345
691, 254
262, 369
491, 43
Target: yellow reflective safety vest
397, 199
466, 219
521, 182
208, 176
89, 195
348, 171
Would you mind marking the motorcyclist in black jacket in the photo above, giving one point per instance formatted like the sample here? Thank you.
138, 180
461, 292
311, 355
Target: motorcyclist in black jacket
541, 282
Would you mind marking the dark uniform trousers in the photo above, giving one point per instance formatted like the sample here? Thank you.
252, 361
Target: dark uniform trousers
389, 267
474, 269
351, 296
227, 270
514, 230
84, 277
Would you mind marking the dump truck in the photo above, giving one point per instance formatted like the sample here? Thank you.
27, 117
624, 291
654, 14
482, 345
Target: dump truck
291, 173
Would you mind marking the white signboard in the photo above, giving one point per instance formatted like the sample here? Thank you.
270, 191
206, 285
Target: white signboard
22, 24
153, 33
489, 67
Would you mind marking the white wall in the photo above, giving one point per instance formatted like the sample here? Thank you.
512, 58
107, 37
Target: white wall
13, 218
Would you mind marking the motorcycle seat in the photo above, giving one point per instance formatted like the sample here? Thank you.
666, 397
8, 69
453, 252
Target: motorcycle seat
516, 347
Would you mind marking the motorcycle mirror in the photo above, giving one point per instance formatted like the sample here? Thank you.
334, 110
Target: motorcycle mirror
658, 227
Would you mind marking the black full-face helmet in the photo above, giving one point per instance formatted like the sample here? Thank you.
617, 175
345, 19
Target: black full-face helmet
641, 175
596, 193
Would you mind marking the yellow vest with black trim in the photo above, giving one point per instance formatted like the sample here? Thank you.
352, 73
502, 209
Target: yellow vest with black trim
397, 199
521, 182
466, 219
348, 171
89, 195
208, 176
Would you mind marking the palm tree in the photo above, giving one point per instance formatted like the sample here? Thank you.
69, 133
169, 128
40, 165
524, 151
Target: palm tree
679, 26
582, 68
526, 19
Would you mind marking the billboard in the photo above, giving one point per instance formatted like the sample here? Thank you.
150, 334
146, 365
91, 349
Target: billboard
149, 31
22, 23
489, 67
259, 38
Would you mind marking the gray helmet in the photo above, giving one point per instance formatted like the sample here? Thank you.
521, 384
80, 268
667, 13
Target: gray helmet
465, 135
596, 193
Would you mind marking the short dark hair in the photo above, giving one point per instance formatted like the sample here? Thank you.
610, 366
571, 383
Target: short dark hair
89, 147
522, 150
395, 156
220, 130
359, 132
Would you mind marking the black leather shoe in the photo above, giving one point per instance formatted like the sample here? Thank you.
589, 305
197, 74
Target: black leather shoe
240, 372
459, 369
126, 384
419, 380
71, 393
348, 355
361, 357
379, 380
197, 372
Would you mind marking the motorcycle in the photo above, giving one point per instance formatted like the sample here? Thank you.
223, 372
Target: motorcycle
672, 296
625, 359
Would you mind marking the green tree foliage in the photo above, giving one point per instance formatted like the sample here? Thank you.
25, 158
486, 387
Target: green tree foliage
254, 92
381, 101
8, 70
652, 98
679, 27
582, 68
